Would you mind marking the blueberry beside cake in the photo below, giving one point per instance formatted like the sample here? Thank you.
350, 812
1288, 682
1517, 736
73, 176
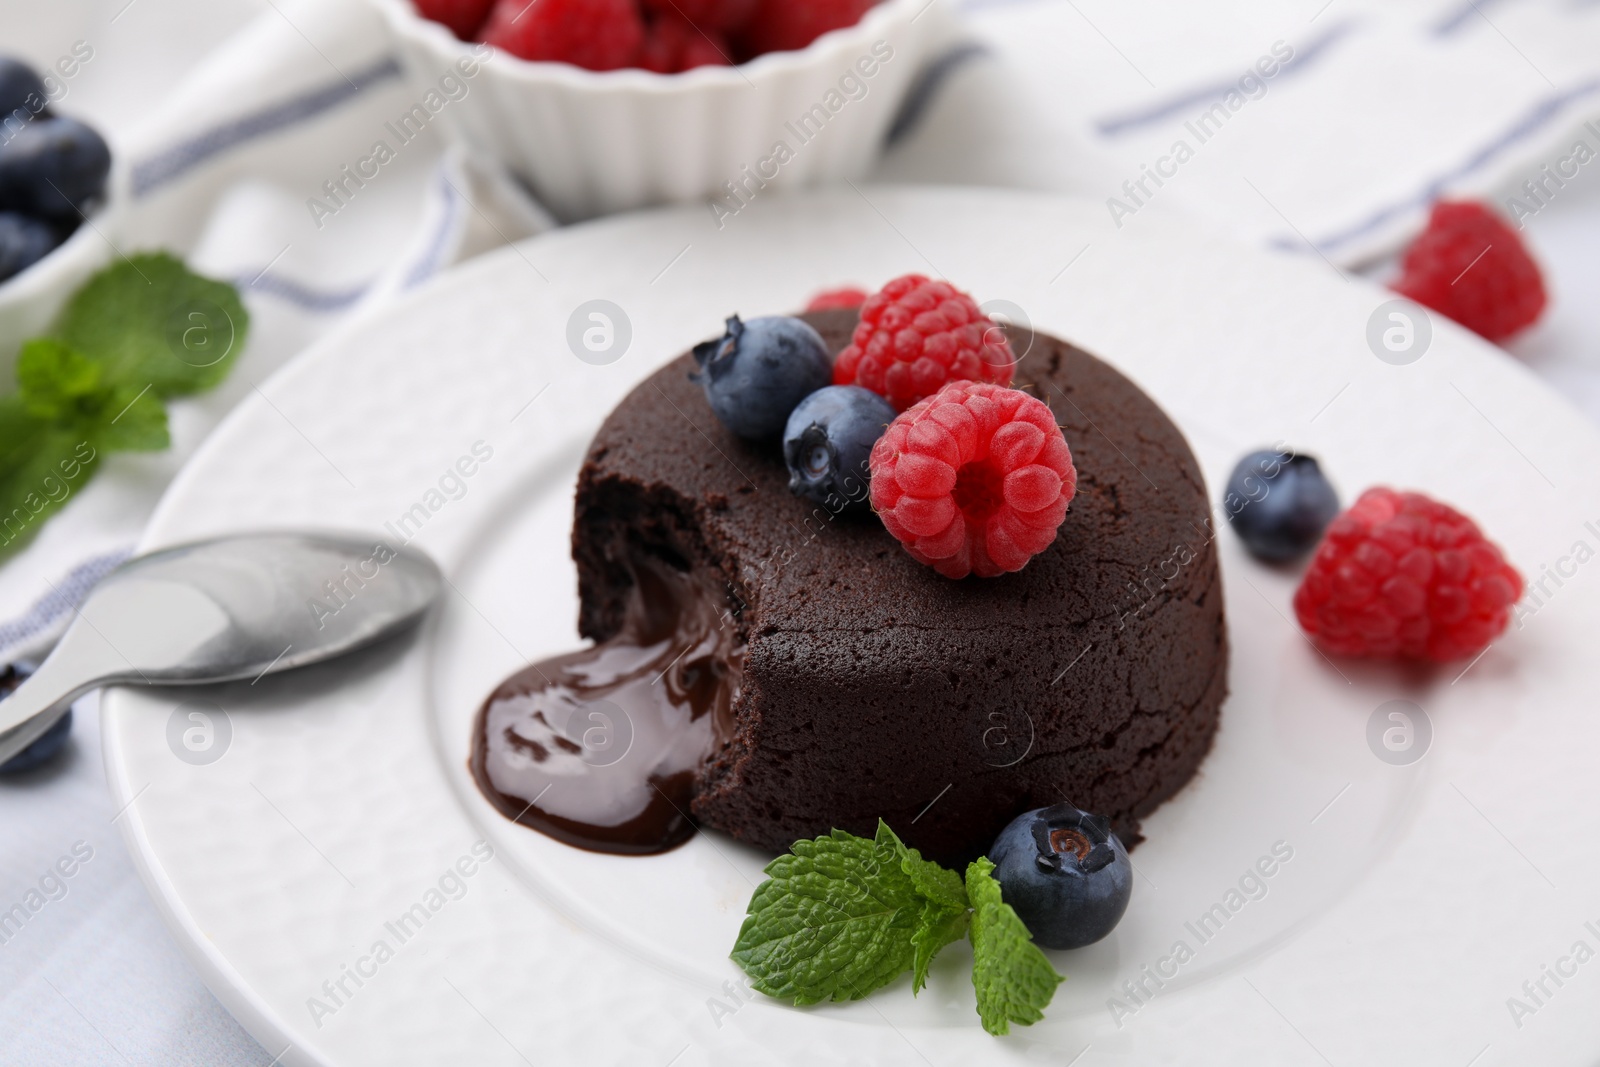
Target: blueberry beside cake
1016, 604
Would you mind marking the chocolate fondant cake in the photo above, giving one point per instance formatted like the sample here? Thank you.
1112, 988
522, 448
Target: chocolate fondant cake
872, 687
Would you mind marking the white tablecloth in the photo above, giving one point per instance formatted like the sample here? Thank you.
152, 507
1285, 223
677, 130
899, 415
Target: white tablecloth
232, 112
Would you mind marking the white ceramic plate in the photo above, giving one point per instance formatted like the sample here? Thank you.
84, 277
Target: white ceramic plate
1418, 897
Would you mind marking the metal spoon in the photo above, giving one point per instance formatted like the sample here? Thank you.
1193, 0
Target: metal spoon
221, 610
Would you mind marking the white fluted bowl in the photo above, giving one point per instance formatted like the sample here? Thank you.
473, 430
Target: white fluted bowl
592, 143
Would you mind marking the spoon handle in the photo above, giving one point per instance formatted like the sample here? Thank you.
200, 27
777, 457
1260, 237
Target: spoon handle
35, 706
80, 662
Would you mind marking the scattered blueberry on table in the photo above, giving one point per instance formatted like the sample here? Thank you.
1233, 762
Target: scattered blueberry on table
758, 371
53, 171
828, 442
1279, 504
1064, 873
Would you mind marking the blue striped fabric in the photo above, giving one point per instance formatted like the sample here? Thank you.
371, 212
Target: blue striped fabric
67, 594
173, 162
1536, 120
1303, 60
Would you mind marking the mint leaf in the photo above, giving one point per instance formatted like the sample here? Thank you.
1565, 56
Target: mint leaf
1013, 979
58, 383
940, 886
63, 388
842, 916
833, 921
138, 425
150, 321
943, 914
41, 466
936, 928
136, 333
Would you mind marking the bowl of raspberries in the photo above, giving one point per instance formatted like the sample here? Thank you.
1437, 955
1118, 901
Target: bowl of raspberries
608, 105
55, 173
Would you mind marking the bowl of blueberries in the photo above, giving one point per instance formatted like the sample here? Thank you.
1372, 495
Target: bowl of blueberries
55, 180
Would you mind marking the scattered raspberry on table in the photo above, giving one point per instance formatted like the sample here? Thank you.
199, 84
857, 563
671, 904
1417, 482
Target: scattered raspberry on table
973, 480
1471, 265
915, 335
1400, 576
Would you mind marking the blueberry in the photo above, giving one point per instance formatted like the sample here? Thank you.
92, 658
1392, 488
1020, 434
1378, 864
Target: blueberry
20, 87
23, 242
53, 168
757, 372
1279, 503
1064, 873
828, 441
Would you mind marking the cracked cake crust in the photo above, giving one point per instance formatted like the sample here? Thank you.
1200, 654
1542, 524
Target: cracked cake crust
873, 687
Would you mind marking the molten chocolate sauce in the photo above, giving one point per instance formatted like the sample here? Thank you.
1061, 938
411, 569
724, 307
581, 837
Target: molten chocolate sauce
599, 748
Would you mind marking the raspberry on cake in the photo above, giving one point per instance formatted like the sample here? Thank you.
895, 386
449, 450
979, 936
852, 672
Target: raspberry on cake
848, 296
1470, 265
915, 335
1400, 576
973, 480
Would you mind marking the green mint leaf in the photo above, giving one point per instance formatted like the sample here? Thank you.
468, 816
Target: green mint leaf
1013, 979
936, 928
57, 383
22, 433
943, 915
63, 387
150, 321
138, 422
41, 467
938, 885
834, 920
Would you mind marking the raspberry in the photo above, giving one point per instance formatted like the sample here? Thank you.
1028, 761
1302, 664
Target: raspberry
973, 480
672, 45
915, 335
463, 17
787, 25
845, 297
1400, 576
594, 34
1470, 265
724, 15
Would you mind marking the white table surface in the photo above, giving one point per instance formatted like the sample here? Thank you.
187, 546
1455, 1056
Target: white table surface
94, 978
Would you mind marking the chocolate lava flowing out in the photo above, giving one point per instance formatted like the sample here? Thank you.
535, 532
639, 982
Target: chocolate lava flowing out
599, 748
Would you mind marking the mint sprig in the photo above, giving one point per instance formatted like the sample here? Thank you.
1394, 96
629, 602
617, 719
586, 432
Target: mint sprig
149, 320
842, 916
833, 921
136, 334
1013, 978
72, 392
